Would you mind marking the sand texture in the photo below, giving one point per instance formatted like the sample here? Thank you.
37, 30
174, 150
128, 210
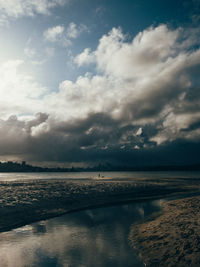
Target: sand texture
173, 238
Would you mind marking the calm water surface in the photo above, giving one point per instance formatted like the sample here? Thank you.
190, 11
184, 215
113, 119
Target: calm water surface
90, 238
92, 175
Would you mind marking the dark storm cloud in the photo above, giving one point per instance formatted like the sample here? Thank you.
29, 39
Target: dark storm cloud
15, 134
83, 140
39, 118
119, 145
98, 138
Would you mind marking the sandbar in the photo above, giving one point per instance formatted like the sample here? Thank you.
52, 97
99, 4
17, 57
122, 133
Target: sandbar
26, 201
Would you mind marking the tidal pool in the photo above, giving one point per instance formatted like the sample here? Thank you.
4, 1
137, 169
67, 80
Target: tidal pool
88, 238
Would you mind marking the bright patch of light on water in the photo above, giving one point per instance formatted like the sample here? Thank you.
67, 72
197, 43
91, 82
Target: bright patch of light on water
95, 175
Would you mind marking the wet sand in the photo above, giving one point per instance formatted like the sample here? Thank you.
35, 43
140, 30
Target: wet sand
27, 201
173, 237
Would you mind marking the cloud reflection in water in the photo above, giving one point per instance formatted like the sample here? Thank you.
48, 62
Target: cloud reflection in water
96, 237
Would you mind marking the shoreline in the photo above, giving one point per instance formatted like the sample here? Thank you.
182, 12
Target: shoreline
59, 212
158, 240
27, 201
171, 237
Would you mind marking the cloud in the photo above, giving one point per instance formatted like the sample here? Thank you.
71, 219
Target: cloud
45, 139
142, 103
22, 8
15, 135
19, 92
96, 139
86, 57
63, 35
54, 33
149, 48
149, 76
146, 88
73, 31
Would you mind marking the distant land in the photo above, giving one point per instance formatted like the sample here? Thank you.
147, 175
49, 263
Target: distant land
11, 166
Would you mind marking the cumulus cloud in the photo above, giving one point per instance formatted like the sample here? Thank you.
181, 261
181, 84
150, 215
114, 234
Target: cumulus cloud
151, 47
86, 57
152, 74
142, 102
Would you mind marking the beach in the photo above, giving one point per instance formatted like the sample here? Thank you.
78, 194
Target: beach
172, 238
27, 201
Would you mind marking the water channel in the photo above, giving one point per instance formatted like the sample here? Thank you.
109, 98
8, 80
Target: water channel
88, 238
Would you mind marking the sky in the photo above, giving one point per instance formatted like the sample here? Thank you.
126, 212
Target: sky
84, 82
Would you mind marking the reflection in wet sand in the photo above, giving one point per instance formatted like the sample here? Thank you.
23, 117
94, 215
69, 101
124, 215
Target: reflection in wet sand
96, 237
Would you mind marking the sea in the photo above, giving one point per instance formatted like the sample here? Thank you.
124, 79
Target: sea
93, 175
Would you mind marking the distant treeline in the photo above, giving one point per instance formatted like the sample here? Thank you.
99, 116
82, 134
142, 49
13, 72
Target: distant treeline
24, 167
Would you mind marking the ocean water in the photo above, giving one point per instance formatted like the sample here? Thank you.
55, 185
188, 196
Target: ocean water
90, 238
95, 175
